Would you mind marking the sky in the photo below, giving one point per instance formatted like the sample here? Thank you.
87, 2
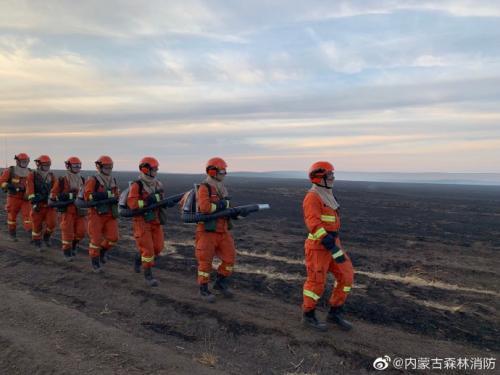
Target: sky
389, 85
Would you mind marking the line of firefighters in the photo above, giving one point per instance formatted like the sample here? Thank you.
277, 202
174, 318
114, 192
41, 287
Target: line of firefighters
30, 190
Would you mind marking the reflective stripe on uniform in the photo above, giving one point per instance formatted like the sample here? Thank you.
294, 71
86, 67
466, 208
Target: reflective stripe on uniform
317, 235
347, 289
147, 259
140, 203
94, 246
213, 207
36, 234
111, 243
203, 274
66, 242
31, 196
310, 294
337, 254
10, 222
27, 221
229, 268
328, 218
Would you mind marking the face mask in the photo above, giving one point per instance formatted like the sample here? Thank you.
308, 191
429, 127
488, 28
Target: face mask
106, 170
23, 163
45, 168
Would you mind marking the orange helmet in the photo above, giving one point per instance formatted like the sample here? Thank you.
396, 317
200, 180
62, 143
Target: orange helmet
72, 160
43, 160
147, 163
22, 156
215, 165
104, 160
319, 170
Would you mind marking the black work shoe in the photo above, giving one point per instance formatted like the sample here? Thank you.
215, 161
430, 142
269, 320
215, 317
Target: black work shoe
38, 245
335, 315
74, 247
148, 276
46, 239
67, 255
205, 294
137, 263
220, 285
96, 264
102, 256
309, 320
13, 235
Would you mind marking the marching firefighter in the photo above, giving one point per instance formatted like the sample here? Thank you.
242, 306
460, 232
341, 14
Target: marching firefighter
323, 250
73, 221
213, 237
40, 183
14, 182
102, 223
148, 231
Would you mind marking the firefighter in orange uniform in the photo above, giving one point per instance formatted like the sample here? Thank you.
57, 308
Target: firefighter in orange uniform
323, 250
213, 237
148, 231
102, 223
73, 220
14, 182
40, 183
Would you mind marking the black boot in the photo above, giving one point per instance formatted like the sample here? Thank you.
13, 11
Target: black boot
67, 255
102, 256
205, 294
148, 275
137, 263
74, 247
38, 245
13, 235
309, 319
220, 284
96, 264
46, 238
335, 315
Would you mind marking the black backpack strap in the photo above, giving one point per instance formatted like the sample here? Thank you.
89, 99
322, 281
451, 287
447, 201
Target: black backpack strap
11, 173
61, 184
141, 186
97, 183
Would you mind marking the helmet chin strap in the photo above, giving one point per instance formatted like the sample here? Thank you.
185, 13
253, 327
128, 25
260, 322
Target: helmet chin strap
325, 184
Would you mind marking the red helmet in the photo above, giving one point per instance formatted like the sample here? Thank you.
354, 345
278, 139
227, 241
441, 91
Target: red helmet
215, 165
319, 170
43, 160
147, 163
72, 160
22, 157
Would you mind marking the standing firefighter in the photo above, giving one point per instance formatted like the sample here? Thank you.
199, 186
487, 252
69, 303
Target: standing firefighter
102, 223
323, 250
73, 220
40, 183
14, 182
148, 231
212, 237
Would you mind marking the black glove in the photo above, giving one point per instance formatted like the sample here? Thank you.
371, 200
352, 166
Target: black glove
36, 199
222, 205
63, 196
151, 199
13, 188
100, 195
328, 241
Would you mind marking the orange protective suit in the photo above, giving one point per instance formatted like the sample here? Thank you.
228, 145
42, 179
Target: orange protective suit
148, 232
102, 227
41, 213
16, 201
73, 222
321, 219
215, 241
